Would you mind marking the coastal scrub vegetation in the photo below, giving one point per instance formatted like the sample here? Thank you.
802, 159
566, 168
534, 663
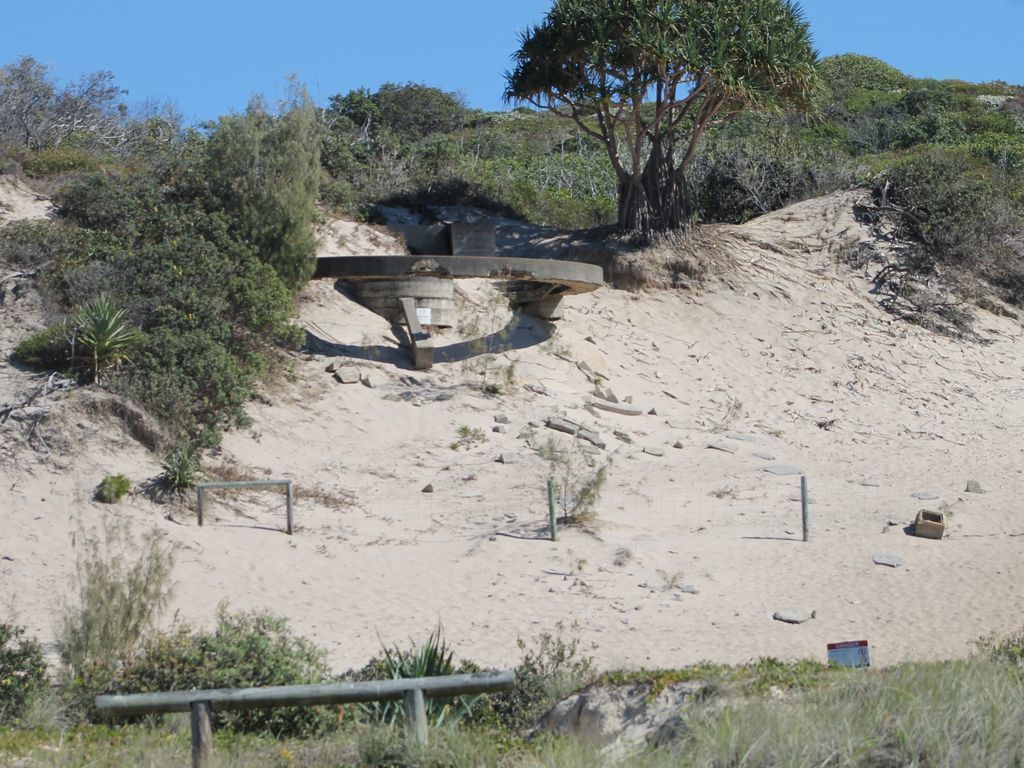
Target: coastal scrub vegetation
196, 257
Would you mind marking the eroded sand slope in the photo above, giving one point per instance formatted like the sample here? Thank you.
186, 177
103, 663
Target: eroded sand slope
785, 360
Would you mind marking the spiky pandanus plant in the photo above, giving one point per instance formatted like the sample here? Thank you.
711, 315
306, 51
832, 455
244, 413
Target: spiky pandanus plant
104, 334
432, 658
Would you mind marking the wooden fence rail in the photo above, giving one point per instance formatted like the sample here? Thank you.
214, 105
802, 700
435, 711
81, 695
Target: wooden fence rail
413, 691
201, 488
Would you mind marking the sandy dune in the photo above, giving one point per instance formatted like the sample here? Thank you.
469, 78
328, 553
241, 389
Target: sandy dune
785, 361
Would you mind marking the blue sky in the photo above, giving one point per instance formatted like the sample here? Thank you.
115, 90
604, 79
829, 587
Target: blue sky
210, 57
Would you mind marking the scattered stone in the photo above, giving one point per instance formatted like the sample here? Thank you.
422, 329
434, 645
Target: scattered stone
441, 397
677, 444
428, 488
892, 561
869, 482
576, 430
689, 589
538, 389
499, 429
587, 371
793, 617
677, 425
652, 412
973, 486
508, 458
333, 367
782, 470
893, 523
623, 436
395, 398
721, 447
348, 374
741, 438
764, 456
651, 450
925, 496
501, 418
368, 382
622, 408
628, 399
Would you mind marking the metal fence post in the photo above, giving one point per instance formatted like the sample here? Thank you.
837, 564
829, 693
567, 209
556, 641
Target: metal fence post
551, 509
289, 501
416, 716
803, 505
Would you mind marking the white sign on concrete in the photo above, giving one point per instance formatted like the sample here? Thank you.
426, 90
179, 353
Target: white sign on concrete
423, 315
852, 654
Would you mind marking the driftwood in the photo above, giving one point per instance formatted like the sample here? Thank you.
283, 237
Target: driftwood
35, 399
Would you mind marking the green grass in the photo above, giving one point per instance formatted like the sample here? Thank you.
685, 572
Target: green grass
951, 714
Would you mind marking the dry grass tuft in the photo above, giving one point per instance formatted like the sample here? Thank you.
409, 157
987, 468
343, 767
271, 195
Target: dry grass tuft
673, 260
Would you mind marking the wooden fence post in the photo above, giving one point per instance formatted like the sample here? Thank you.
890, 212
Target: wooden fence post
416, 716
199, 505
202, 735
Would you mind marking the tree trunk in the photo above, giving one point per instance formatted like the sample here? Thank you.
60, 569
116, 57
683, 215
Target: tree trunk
657, 200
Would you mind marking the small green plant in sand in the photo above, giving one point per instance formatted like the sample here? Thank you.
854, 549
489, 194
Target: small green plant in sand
579, 480
122, 583
113, 489
181, 468
468, 437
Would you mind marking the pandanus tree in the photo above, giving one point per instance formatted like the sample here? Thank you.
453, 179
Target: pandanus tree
647, 78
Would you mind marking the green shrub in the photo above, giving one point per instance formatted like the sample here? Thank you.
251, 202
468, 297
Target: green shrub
113, 488
181, 468
550, 670
128, 206
246, 650
1008, 648
22, 671
50, 161
47, 350
122, 583
849, 71
264, 175
959, 211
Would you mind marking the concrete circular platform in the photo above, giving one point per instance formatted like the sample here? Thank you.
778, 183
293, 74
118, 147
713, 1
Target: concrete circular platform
561, 278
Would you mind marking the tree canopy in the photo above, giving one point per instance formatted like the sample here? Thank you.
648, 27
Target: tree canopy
648, 77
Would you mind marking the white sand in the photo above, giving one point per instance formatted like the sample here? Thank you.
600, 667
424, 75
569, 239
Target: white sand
787, 341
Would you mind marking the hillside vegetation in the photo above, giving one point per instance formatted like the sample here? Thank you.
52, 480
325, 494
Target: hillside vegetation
200, 235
